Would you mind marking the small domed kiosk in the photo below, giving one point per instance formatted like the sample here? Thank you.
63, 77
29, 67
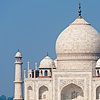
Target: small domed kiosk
46, 65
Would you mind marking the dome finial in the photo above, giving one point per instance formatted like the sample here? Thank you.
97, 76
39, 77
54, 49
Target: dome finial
18, 50
47, 53
79, 10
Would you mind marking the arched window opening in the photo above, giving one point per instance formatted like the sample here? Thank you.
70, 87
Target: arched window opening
71, 92
30, 93
30, 75
98, 72
43, 93
46, 73
98, 92
41, 73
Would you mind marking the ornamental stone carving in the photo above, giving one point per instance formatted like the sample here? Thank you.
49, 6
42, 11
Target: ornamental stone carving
79, 82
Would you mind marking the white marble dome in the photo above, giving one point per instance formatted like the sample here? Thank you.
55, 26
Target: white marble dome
47, 62
78, 37
18, 55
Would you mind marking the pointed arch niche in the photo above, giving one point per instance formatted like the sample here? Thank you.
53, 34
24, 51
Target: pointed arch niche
98, 93
43, 93
72, 92
30, 93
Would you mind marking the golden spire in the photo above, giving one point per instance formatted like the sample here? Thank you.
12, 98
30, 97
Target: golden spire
79, 10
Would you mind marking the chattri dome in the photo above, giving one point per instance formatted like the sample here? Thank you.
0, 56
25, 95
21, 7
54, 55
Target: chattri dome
98, 63
18, 55
78, 37
47, 62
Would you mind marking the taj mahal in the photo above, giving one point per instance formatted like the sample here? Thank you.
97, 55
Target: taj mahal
73, 75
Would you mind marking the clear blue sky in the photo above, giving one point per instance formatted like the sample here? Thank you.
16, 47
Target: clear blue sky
32, 26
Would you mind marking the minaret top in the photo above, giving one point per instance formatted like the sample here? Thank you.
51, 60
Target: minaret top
18, 55
79, 11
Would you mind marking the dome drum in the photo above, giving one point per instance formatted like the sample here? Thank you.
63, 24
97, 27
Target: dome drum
78, 56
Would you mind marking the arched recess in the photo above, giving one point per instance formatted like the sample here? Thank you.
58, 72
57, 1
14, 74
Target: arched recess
72, 92
30, 93
43, 93
98, 92
46, 73
41, 72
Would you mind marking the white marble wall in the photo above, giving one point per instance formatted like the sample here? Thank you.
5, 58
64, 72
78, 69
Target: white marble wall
36, 84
